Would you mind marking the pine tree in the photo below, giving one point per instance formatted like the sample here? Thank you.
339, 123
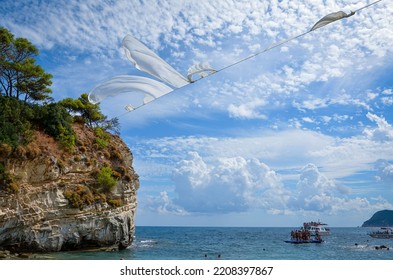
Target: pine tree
20, 76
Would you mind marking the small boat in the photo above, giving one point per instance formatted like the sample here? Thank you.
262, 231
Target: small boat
382, 233
316, 227
294, 241
303, 236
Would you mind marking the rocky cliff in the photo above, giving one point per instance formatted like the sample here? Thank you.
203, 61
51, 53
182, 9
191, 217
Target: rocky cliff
55, 200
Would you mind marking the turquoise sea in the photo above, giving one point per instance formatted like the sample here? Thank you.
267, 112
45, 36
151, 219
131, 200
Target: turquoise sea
231, 243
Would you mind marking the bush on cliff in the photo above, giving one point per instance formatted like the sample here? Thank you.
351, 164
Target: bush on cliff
7, 181
15, 121
106, 180
79, 196
56, 121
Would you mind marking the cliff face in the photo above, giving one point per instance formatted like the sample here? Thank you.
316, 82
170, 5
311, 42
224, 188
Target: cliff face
57, 202
382, 218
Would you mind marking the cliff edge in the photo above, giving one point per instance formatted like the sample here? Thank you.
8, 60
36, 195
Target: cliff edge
53, 199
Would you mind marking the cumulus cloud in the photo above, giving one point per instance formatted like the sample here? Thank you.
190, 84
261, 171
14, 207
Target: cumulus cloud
224, 175
226, 185
162, 204
288, 149
384, 171
384, 131
247, 110
315, 192
232, 185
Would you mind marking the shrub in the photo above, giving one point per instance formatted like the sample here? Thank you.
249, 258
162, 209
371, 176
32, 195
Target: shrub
12, 188
5, 150
15, 126
106, 154
99, 197
102, 137
7, 181
115, 202
116, 155
67, 138
116, 175
56, 121
82, 149
122, 170
101, 143
32, 150
20, 152
106, 180
79, 197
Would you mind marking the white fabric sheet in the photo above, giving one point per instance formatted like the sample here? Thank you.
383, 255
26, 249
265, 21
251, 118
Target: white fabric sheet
331, 18
203, 69
147, 61
151, 89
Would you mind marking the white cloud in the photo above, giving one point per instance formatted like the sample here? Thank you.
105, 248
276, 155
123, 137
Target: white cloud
388, 91
281, 150
232, 185
384, 131
384, 171
314, 191
162, 204
226, 185
387, 100
308, 120
247, 110
235, 174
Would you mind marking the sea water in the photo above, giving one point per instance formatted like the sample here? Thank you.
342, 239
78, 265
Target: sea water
231, 243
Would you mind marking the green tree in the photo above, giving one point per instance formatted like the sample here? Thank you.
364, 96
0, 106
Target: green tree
89, 113
15, 121
20, 76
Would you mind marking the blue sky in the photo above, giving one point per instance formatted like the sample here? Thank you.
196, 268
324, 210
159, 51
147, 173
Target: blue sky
301, 132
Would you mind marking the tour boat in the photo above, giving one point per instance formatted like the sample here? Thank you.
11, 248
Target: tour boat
304, 236
382, 233
316, 227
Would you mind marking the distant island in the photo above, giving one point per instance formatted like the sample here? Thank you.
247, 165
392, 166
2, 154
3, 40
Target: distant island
382, 218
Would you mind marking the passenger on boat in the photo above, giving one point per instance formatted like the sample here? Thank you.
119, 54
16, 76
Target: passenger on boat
300, 235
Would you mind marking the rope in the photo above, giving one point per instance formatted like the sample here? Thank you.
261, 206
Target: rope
248, 58
364, 7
